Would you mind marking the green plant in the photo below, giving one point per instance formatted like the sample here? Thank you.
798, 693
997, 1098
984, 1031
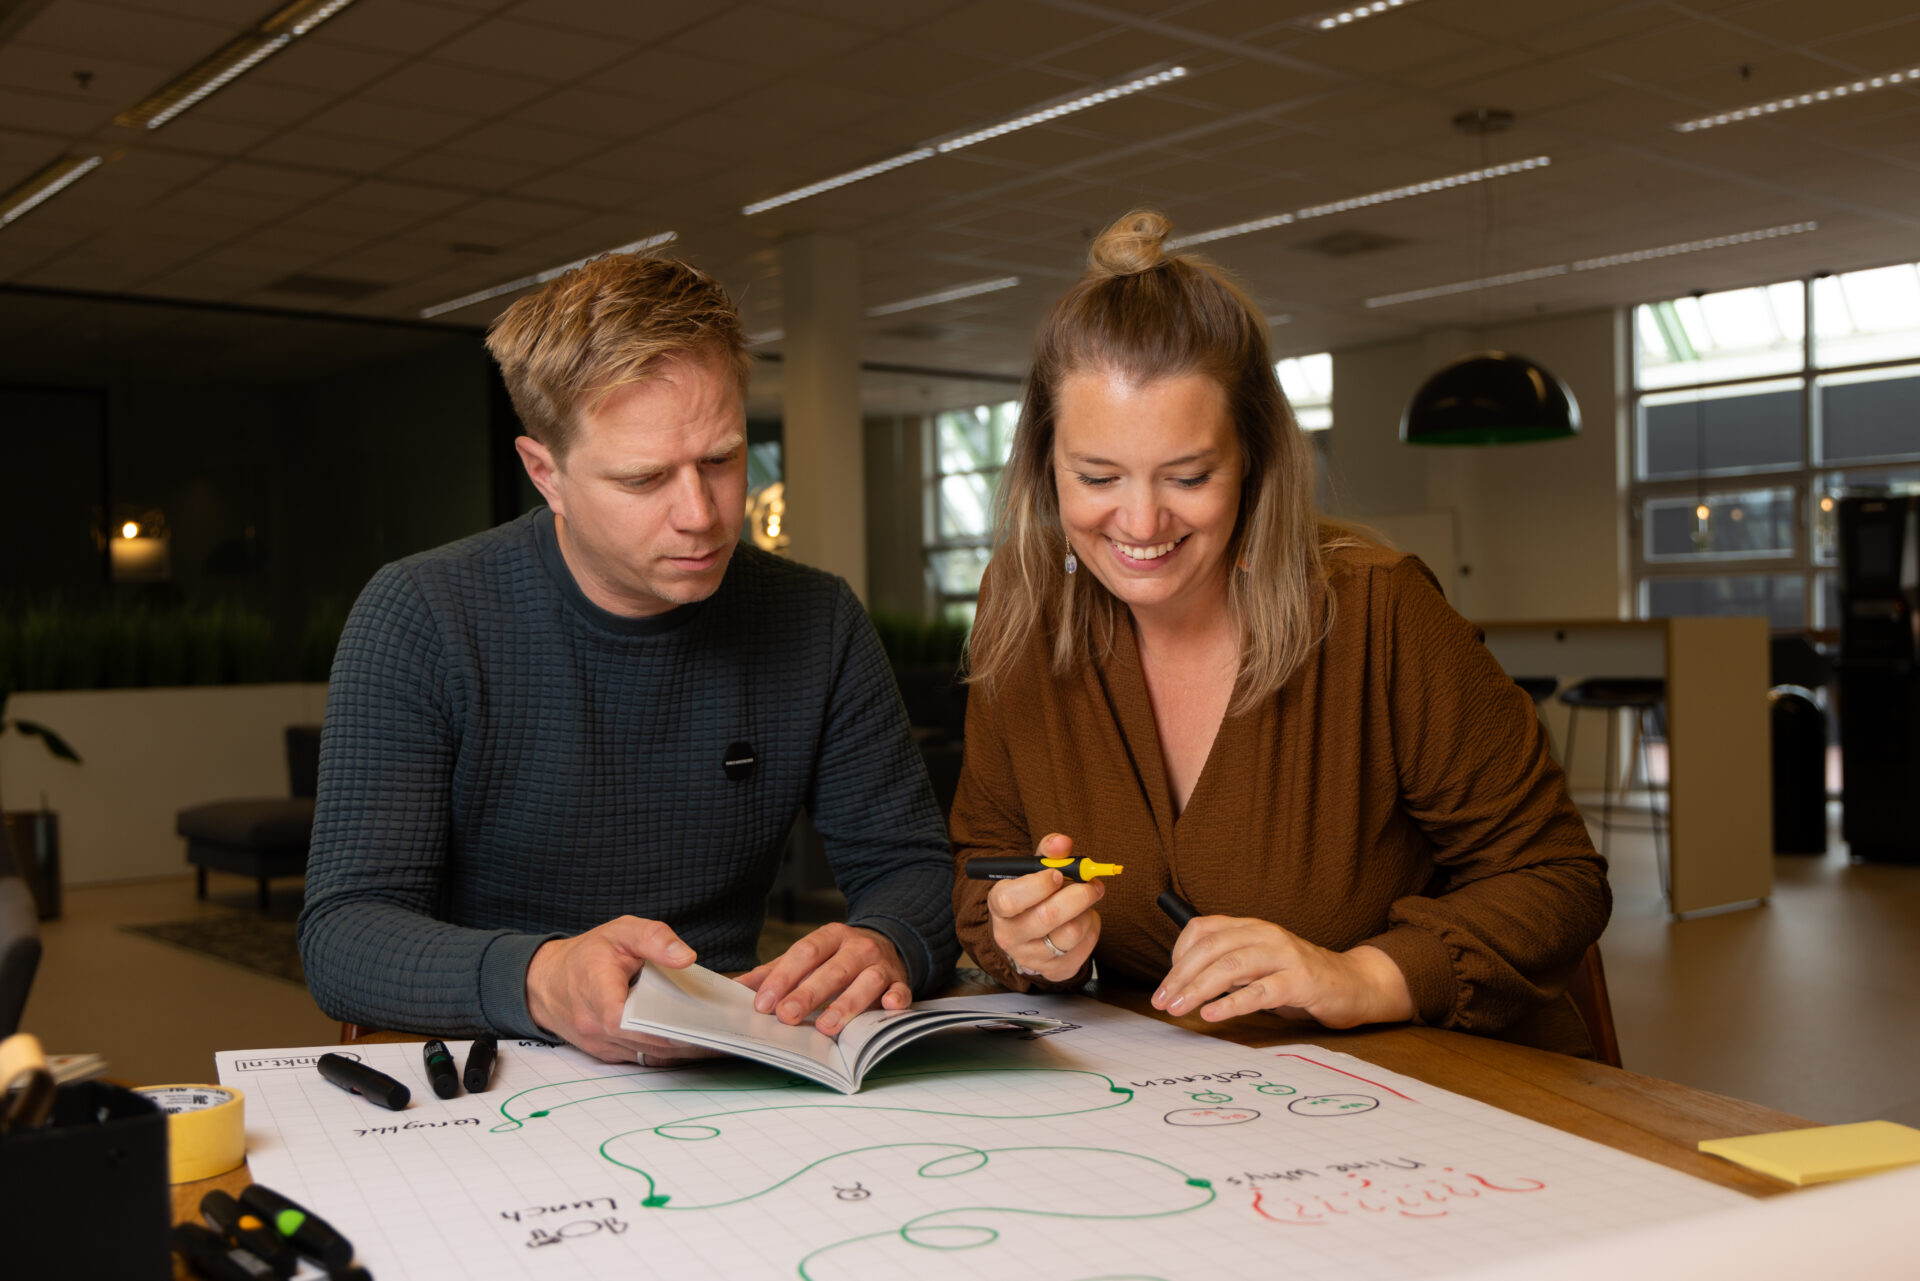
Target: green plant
52, 646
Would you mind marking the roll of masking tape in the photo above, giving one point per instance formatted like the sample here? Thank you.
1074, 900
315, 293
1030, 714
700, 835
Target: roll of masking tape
206, 1129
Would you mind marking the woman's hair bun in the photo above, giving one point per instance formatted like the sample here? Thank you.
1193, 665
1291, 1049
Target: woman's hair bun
1132, 244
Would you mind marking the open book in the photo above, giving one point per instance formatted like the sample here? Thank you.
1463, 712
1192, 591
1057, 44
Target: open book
702, 1008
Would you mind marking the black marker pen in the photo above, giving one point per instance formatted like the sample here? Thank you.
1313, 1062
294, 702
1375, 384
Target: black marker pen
310, 1234
248, 1231
440, 1069
479, 1070
1178, 910
351, 1074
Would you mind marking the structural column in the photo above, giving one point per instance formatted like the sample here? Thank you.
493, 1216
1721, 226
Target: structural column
821, 455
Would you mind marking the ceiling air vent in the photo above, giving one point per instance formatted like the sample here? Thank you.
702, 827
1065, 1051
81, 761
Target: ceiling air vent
342, 288
1346, 244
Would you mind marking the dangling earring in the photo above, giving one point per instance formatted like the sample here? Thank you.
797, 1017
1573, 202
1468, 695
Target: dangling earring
1072, 564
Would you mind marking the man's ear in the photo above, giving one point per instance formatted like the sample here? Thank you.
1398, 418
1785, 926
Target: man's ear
541, 470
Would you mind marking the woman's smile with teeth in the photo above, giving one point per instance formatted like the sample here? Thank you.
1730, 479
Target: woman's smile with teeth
1157, 550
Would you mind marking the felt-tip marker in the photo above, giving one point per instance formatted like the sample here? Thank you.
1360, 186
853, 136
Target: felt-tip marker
210, 1255
440, 1069
310, 1234
248, 1231
1178, 910
352, 1074
478, 1074
1006, 869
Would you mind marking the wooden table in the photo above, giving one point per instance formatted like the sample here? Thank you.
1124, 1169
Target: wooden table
1641, 1115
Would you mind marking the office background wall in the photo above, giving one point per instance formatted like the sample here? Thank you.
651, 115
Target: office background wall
289, 456
1539, 529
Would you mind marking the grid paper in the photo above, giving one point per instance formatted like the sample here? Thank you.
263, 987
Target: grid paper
1120, 1147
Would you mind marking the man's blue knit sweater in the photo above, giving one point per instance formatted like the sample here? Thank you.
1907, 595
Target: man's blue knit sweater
504, 762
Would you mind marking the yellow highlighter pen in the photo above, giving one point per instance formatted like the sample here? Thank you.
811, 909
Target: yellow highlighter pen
1006, 869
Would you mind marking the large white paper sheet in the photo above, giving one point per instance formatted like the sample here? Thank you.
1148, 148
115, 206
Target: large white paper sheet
1118, 1147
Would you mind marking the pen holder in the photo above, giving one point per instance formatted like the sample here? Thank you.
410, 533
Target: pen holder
86, 1195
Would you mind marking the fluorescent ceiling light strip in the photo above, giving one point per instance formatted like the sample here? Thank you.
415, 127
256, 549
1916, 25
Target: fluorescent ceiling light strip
1468, 286
1906, 75
542, 277
1357, 202
1695, 246
49, 182
1358, 13
838, 180
1063, 106
945, 295
230, 62
1595, 264
1052, 109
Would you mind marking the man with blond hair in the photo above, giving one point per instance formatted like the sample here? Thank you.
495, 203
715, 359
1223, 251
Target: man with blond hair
572, 746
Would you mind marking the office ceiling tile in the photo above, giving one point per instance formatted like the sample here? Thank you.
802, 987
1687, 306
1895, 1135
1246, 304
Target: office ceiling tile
126, 33
904, 68
309, 64
404, 27
388, 122
1383, 47
759, 36
528, 49
445, 86
596, 113
876, 15
506, 140
109, 83
466, 173
255, 103
1009, 31
635, 23
51, 113
681, 79
331, 152
815, 104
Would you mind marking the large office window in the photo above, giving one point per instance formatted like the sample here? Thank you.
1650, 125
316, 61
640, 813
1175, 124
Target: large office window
968, 449
1754, 410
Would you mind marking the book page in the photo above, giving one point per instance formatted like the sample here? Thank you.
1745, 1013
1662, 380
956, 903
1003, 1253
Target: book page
1113, 1146
704, 1008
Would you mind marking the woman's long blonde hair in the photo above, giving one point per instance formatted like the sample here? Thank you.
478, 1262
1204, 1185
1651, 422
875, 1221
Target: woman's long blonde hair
1145, 314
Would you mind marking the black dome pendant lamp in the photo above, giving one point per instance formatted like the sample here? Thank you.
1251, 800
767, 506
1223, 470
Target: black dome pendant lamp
1490, 398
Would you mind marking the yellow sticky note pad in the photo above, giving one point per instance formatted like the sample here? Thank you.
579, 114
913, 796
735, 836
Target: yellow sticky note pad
1823, 1153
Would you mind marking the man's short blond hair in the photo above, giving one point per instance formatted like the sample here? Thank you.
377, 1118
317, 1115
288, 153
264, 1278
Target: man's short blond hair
605, 324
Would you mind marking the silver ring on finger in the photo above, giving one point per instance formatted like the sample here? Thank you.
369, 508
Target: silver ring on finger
1053, 947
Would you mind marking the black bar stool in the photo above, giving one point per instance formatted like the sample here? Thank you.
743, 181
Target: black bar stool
1643, 696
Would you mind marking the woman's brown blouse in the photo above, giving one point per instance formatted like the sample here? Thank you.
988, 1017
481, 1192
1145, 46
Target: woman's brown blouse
1398, 791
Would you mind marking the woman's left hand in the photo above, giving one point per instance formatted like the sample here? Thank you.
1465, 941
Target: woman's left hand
1260, 966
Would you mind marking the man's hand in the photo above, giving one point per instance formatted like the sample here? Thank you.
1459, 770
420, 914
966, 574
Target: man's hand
850, 967
577, 987
1260, 966
1043, 922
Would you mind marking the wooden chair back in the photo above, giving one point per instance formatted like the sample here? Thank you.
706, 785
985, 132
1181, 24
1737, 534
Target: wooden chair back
1588, 989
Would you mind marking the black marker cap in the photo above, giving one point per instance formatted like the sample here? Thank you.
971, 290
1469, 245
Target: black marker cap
352, 1074
479, 1070
310, 1234
440, 1069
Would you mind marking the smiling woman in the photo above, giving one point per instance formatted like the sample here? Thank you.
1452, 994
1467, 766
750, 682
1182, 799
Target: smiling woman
1180, 667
